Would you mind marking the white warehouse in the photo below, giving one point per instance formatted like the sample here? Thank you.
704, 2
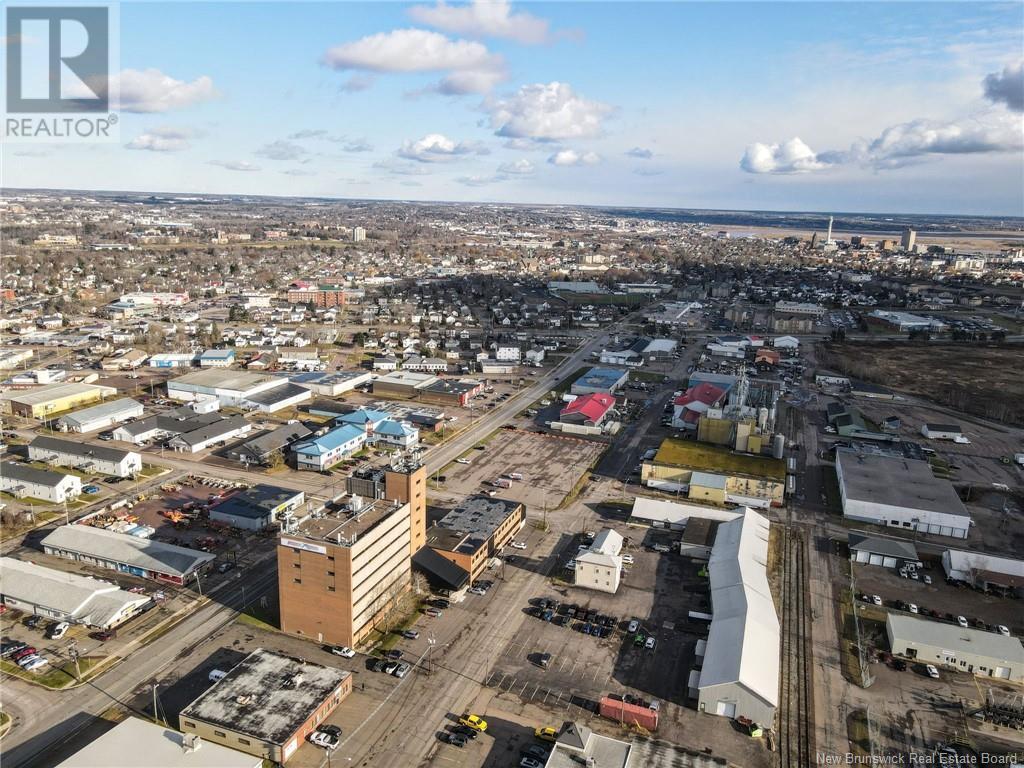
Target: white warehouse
985, 654
740, 675
899, 493
102, 416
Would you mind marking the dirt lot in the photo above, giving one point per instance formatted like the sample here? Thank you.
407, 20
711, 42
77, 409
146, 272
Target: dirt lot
550, 465
973, 378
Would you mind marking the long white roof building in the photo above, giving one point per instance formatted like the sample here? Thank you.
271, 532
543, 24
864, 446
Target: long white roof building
740, 676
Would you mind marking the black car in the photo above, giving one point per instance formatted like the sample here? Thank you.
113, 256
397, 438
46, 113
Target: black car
465, 730
11, 648
378, 665
33, 621
536, 751
393, 655
330, 730
440, 602
899, 665
455, 739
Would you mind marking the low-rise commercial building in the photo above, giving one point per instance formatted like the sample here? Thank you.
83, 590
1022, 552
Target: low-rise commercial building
127, 554
178, 421
122, 746
985, 654
587, 410
674, 515
101, 416
53, 399
942, 431
86, 457
323, 452
475, 531
899, 493
577, 745
267, 704
25, 482
66, 596
333, 383
257, 508
984, 571
261, 450
218, 432
600, 567
426, 388
601, 381
341, 569
240, 389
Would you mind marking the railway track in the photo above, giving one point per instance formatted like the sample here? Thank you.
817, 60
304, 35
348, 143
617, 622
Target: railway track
796, 707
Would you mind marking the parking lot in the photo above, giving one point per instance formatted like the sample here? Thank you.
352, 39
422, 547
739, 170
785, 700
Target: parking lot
550, 466
940, 596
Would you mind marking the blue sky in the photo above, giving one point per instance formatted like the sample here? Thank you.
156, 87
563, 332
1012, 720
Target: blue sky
847, 106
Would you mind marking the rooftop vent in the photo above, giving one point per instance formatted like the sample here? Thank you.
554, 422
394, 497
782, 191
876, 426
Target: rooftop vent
191, 743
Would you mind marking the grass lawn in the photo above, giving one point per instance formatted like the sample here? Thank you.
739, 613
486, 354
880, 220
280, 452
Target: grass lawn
646, 376
53, 677
149, 470
63, 470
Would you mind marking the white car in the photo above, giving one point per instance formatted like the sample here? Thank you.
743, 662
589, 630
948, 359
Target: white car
962, 621
927, 579
876, 599
57, 631
627, 559
35, 664
932, 671
342, 650
323, 740
477, 591
912, 608
462, 461
518, 545
1003, 630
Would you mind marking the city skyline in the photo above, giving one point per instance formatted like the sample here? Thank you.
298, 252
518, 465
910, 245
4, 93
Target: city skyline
735, 106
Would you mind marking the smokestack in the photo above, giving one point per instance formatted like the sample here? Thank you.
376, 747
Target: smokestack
828, 238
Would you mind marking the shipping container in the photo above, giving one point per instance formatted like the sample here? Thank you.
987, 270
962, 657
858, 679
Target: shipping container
629, 714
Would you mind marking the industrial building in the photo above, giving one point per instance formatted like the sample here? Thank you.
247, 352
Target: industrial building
126, 554
599, 381
333, 383
600, 567
942, 431
342, 568
427, 388
257, 508
474, 532
25, 482
66, 596
988, 572
103, 416
880, 550
674, 515
240, 389
266, 705
981, 653
163, 425
716, 474
899, 493
740, 673
52, 399
577, 745
86, 457
163, 747
587, 410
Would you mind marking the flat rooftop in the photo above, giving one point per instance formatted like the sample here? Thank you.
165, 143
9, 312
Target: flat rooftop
268, 696
897, 482
704, 457
221, 378
479, 515
48, 392
345, 520
940, 634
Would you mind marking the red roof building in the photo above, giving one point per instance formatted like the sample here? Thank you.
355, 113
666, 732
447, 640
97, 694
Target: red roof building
588, 410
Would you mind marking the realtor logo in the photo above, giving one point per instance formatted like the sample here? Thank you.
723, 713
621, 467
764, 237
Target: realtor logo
58, 59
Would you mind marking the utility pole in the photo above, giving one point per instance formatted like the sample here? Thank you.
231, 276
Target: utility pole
156, 716
73, 652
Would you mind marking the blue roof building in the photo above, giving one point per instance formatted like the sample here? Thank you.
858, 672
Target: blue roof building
330, 448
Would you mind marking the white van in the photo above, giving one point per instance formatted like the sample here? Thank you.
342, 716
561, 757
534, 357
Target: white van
217, 675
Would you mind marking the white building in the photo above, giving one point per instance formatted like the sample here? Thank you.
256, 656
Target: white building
900, 493
674, 515
98, 459
600, 567
799, 308
786, 342
25, 482
740, 673
172, 360
981, 653
942, 431
66, 596
507, 353
210, 435
983, 570
101, 416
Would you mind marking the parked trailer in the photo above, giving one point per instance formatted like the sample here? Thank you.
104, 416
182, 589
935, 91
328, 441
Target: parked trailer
629, 714
501, 482
514, 476
698, 616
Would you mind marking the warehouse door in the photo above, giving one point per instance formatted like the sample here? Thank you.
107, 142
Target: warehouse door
726, 709
889, 562
863, 556
875, 560
1003, 672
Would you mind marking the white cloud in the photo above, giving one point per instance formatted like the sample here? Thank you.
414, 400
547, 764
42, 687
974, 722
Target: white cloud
570, 157
401, 167
436, 147
298, 172
483, 18
162, 139
640, 153
792, 156
235, 165
648, 171
896, 146
547, 112
346, 143
1007, 87
480, 181
150, 90
519, 167
469, 66
283, 150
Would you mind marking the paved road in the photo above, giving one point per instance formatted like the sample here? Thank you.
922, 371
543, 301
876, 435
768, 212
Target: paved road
53, 717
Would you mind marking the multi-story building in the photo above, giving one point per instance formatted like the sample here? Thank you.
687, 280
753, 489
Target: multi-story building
343, 568
98, 459
472, 533
319, 295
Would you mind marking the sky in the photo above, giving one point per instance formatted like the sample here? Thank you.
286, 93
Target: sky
880, 107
